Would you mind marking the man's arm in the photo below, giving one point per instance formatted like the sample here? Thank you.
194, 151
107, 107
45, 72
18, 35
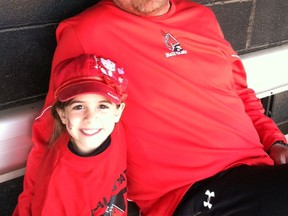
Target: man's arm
268, 131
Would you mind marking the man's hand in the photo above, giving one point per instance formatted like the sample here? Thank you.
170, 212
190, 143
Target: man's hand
279, 153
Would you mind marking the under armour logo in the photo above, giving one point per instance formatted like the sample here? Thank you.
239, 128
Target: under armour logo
207, 203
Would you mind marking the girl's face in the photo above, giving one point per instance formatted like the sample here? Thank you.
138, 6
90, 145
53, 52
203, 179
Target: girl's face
90, 119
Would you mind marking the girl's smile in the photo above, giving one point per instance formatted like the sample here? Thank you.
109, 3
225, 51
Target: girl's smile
90, 132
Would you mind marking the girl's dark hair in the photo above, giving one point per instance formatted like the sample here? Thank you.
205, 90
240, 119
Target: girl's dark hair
59, 127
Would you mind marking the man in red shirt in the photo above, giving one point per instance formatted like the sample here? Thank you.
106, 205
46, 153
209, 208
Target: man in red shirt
197, 136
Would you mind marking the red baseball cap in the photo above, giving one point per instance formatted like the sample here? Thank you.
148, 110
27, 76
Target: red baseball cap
88, 73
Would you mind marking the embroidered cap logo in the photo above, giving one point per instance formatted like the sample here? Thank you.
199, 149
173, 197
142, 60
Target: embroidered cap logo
112, 75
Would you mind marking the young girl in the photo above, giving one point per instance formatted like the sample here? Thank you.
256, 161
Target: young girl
84, 169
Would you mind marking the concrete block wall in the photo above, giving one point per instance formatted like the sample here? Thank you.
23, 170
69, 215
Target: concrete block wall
252, 24
27, 33
27, 43
28, 40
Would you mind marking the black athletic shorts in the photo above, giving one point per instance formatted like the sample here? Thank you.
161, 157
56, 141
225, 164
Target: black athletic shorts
240, 191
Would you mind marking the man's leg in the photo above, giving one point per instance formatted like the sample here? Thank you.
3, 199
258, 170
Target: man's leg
240, 191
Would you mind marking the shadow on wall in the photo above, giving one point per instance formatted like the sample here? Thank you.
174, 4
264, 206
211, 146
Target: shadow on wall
27, 33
